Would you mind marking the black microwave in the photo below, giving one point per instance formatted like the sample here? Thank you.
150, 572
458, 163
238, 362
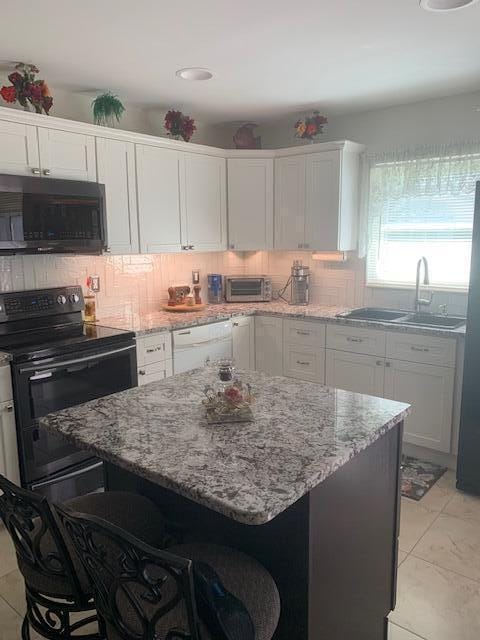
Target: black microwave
43, 215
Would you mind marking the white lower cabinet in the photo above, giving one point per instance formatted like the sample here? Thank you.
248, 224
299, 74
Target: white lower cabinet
269, 345
355, 372
243, 337
8, 443
156, 371
304, 363
429, 389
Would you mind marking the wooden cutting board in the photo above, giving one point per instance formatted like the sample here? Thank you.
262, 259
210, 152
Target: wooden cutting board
184, 308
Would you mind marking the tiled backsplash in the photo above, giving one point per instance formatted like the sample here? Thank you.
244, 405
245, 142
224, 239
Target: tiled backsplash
139, 283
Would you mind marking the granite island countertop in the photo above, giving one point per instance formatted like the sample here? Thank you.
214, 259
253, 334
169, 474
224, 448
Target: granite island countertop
301, 434
145, 323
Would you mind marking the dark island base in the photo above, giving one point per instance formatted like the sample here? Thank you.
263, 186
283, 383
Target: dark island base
333, 553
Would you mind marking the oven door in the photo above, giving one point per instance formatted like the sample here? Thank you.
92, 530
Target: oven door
45, 387
77, 481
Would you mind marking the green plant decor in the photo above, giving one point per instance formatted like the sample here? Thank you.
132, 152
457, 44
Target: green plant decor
107, 109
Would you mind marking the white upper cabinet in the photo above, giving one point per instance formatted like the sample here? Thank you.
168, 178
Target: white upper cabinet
18, 148
316, 200
67, 155
158, 191
250, 204
203, 202
290, 202
116, 170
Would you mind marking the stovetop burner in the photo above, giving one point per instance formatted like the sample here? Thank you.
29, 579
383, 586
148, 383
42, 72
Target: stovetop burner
48, 322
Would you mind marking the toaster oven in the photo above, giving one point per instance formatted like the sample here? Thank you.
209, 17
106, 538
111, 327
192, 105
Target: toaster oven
248, 289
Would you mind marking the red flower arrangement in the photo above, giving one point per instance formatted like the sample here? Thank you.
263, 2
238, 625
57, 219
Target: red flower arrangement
25, 89
311, 127
179, 126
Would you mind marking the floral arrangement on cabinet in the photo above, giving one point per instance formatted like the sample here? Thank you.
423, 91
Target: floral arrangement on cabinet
27, 90
179, 125
311, 126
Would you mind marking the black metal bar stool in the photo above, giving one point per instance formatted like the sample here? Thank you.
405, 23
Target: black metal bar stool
56, 584
143, 593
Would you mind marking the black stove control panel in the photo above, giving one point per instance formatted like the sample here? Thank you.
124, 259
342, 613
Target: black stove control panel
42, 302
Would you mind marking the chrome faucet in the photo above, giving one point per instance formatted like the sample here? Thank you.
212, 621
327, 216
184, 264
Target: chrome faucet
422, 302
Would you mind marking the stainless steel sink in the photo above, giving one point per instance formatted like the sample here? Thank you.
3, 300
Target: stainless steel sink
397, 316
372, 313
432, 320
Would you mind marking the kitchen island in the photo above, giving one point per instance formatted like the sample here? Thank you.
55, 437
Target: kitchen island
310, 487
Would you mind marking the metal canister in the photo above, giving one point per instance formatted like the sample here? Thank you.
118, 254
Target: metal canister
215, 288
300, 283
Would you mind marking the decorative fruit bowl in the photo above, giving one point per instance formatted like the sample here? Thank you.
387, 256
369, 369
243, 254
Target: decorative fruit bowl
230, 404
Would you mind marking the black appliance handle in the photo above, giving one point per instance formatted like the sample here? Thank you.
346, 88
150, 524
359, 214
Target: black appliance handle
52, 366
68, 476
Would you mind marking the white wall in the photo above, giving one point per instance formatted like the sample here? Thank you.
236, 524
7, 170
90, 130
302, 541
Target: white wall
78, 107
443, 120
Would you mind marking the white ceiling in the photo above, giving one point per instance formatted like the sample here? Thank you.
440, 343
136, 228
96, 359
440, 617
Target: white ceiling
270, 57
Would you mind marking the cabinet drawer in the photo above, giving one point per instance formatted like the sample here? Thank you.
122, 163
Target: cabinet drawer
5, 383
356, 340
154, 372
421, 348
305, 333
154, 348
303, 362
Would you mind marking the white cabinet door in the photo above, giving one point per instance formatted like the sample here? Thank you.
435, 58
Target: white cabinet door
250, 204
116, 170
18, 148
67, 155
8, 443
355, 372
322, 205
429, 389
243, 334
203, 201
269, 345
154, 372
158, 199
304, 362
290, 202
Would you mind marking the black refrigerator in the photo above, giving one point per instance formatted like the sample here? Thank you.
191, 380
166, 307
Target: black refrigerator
468, 463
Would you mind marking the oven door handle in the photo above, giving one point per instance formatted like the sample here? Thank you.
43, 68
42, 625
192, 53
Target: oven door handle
63, 363
68, 476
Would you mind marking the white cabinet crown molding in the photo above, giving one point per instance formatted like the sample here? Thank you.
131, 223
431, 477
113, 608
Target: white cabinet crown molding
52, 122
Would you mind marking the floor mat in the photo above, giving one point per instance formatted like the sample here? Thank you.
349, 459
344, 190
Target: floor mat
419, 476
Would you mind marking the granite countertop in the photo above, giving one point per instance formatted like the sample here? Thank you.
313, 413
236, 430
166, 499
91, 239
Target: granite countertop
250, 472
154, 322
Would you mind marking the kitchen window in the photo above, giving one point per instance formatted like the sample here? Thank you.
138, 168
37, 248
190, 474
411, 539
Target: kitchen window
421, 204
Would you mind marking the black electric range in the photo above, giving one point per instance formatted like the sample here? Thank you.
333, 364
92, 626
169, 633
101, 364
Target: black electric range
58, 361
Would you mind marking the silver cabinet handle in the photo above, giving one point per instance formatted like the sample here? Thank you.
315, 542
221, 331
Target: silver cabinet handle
46, 172
302, 333
184, 247
191, 247
142, 372
159, 348
236, 324
302, 362
422, 349
379, 363
108, 250
184, 333
388, 364
232, 246
36, 171
354, 339
9, 408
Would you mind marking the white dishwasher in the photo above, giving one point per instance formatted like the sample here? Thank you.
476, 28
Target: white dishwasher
197, 346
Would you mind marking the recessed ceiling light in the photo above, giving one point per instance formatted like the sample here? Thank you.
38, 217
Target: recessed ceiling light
194, 73
445, 5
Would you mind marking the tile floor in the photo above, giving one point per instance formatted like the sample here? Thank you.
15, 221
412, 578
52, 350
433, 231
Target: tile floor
439, 575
